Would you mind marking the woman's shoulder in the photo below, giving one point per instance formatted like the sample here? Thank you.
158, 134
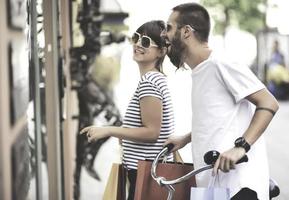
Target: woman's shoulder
154, 77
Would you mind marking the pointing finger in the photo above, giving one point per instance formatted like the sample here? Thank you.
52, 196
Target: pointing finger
84, 130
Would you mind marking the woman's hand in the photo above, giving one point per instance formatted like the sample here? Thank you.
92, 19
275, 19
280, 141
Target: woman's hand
94, 133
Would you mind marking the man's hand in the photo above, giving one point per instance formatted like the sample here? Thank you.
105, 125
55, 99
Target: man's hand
94, 133
227, 160
178, 141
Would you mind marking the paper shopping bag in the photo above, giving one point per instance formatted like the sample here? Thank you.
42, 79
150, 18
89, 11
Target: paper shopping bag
147, 187
210, 193
116, 184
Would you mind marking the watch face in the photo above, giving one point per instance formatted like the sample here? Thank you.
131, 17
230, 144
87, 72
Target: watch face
239, 141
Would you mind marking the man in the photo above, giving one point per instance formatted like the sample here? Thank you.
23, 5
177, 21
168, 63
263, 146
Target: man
277, 57
231, 108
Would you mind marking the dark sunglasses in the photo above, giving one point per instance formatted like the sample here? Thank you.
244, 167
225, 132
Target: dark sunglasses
145, 41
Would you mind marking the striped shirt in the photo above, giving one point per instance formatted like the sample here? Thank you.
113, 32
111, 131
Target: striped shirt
151, 84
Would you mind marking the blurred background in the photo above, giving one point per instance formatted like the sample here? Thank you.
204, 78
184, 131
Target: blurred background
68, 64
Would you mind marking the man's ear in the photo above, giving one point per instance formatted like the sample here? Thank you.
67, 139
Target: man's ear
187, 31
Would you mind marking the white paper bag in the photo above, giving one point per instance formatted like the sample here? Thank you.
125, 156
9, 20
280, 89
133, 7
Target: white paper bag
210, 193
198, 193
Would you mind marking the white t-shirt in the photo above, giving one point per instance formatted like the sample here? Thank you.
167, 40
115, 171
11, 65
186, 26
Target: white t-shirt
220, 116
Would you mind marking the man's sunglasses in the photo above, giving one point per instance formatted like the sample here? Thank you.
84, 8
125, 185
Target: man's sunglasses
145, 41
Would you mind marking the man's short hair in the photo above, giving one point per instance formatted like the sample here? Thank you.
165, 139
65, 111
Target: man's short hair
197, 17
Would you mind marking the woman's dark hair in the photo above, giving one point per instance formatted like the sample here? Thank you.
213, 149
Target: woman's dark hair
197, 17
153, 29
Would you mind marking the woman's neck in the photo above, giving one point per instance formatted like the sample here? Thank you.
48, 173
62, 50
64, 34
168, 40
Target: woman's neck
144, 69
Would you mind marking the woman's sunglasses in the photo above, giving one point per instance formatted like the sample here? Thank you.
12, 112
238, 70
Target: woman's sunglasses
145, 41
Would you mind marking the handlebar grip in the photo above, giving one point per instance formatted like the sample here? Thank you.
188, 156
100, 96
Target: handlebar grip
243, 159
211, 157
170, 146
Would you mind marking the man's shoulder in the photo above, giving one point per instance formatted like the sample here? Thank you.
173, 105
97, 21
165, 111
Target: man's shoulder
228, 65
225, 61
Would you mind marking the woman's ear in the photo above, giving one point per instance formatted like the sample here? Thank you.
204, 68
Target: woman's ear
164, 51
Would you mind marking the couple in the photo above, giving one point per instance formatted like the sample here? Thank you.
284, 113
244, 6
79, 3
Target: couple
231, 107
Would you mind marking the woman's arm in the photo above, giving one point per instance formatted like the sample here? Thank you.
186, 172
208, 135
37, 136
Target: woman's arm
151, 117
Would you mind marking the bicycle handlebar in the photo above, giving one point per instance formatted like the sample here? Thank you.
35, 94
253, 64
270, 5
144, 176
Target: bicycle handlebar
209, 158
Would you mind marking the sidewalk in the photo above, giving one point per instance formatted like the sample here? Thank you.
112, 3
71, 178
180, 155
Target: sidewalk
92, 189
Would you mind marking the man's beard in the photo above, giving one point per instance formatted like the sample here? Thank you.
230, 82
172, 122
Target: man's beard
177, 50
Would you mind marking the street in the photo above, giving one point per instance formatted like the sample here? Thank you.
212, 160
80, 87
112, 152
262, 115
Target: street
277, 141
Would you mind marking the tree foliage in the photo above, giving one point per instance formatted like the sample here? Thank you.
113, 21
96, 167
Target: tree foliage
247, 14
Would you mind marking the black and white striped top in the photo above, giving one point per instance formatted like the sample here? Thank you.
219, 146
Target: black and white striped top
151, 84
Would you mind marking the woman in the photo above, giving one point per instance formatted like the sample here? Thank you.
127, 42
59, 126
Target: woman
149, 118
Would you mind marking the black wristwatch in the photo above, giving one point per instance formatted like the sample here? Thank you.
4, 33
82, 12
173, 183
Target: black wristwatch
241, 142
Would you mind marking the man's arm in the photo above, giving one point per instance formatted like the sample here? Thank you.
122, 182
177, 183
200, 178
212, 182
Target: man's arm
266, 106
179, 141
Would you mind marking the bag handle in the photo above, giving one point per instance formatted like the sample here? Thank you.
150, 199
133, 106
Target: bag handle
213, 181
120, 150
177, 157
